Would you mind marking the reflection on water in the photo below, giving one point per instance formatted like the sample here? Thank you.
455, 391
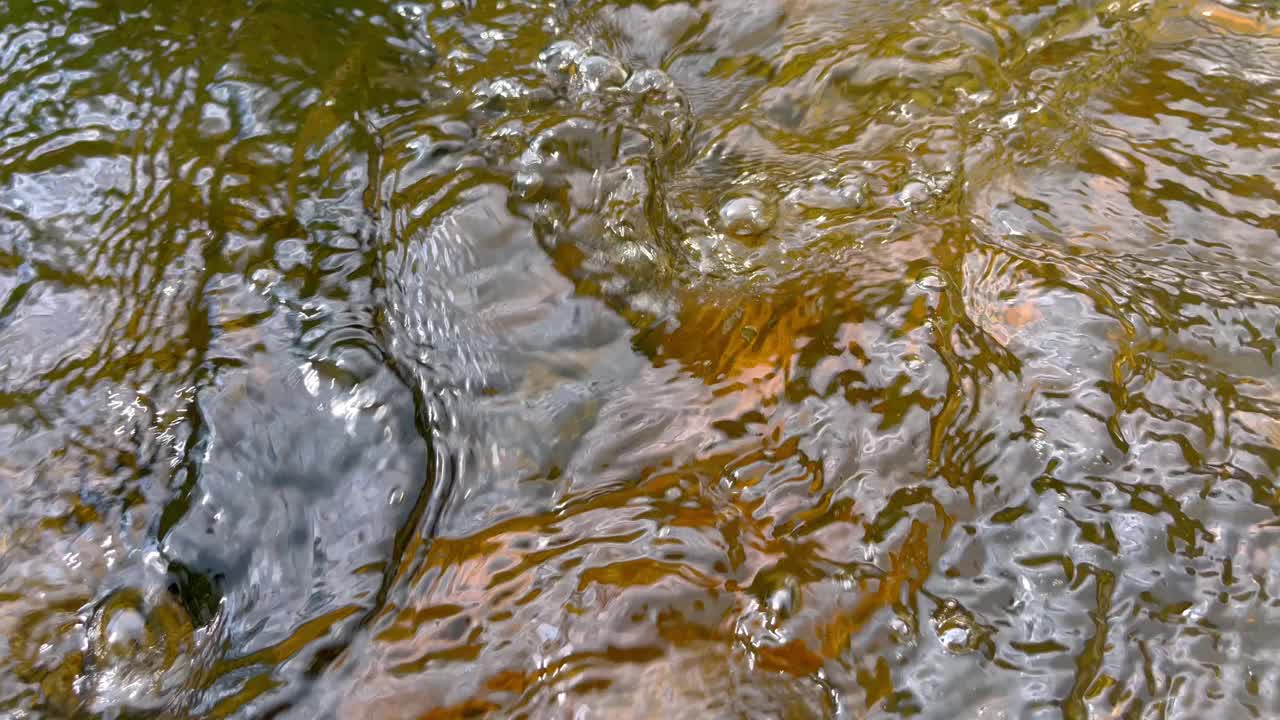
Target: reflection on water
791, 358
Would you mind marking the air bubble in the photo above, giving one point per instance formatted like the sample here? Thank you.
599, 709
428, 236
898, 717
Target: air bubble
560, 57
914, 193
649, 80
932, 279
125, 633
504, 88
939, 183
745, 216
597, 72
956, 628
527, 184
784, 601
846, 193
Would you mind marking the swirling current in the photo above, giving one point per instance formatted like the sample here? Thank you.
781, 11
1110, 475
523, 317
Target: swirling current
582, 359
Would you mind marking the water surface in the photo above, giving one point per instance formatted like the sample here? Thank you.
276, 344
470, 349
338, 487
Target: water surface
738, 358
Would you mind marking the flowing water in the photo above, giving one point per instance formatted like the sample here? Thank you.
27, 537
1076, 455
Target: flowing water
714, 359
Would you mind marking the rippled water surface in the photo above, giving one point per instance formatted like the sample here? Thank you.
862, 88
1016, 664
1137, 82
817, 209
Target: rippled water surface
714, 359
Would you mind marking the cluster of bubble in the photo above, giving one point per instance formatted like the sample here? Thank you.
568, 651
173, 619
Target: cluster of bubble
923, 187
604, 172
591, 172
139, 646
